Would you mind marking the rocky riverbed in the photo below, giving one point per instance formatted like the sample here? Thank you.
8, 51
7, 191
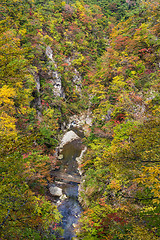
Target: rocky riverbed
64, 189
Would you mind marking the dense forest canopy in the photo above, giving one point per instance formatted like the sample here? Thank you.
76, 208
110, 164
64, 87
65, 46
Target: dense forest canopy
112, 48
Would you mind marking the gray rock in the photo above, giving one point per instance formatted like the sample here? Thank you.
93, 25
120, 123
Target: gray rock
108, 115
55, 78
55, 191
49, 53
63, 197
68, 137
60, 157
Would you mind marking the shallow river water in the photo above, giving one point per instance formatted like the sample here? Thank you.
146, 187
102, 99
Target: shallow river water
70, 208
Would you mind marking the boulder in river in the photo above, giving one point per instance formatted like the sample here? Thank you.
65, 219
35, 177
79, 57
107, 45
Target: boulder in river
68, 137
55, 191
60, 157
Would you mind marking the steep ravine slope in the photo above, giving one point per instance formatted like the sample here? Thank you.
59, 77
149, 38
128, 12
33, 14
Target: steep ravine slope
38, 95
67, 66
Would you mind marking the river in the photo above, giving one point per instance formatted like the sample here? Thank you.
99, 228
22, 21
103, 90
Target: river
70, 207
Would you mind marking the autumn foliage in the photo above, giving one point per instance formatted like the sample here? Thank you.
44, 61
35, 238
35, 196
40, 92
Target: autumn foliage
113, 48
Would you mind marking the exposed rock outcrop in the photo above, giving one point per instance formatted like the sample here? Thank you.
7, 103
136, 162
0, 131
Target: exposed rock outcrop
82, 121
55, 78
38, 99
79, 159
55, 191
77, 80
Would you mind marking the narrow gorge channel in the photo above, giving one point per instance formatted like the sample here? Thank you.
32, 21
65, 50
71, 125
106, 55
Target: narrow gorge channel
66, 180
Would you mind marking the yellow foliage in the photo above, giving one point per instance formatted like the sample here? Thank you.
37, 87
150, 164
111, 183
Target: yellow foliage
150, 178
141, 233
22, 31
6, 93
118, 83
7, 126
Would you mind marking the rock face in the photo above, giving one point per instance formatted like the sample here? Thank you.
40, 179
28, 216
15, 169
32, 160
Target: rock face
68, 137
77, 80
79, 159
57, 84
55, 78
108, 115
55, 191
82, 121
39, 105
49, 53
36, 102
